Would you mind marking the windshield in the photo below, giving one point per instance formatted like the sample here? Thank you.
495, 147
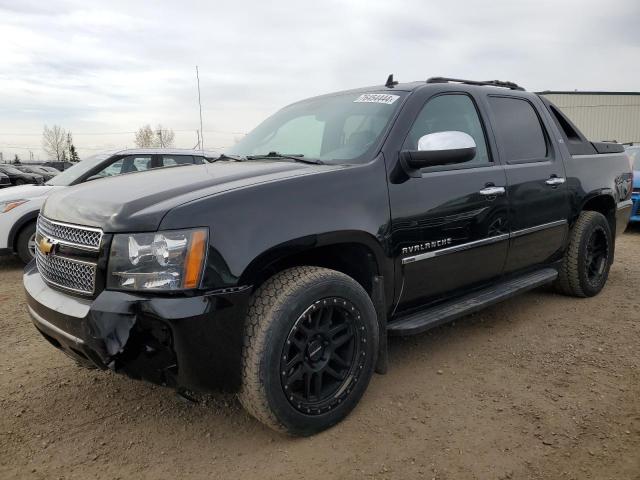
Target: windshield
335, 128
71, 174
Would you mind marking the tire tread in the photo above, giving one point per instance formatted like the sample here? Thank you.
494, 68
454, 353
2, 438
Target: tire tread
568, 281
267, 304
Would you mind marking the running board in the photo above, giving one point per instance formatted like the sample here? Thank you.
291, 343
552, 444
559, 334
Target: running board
424, 320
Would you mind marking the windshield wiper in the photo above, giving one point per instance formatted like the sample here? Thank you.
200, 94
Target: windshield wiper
224, 156
297, 157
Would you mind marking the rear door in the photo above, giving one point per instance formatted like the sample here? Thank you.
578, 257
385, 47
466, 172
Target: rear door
449, 225
536, 183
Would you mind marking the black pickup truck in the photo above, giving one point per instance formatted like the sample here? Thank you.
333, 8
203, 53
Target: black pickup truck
280, 269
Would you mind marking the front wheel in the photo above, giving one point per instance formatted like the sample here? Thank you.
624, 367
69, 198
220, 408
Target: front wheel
310, 349
585, 267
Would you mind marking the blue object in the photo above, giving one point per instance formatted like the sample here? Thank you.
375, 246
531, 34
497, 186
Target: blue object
634, 154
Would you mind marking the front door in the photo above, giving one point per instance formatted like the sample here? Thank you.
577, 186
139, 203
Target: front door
536, 186
449, 226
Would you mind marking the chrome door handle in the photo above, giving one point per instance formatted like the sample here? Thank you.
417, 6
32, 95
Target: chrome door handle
555, 181
492, 191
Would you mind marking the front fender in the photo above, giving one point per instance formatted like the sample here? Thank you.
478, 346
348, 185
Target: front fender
256, 225
24, 219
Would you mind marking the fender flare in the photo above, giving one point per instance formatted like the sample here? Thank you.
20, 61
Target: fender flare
276, 253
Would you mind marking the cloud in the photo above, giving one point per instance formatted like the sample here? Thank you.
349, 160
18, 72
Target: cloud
109, 69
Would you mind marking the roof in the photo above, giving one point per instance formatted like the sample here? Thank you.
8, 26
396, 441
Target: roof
577, 92
420, 84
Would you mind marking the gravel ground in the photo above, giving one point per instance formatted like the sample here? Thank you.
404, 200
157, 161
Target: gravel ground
542, 386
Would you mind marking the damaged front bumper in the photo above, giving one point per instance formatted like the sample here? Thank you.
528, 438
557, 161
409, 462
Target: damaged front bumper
191, 342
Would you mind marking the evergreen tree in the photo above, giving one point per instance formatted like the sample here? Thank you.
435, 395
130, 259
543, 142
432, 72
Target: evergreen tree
16, 159
70, 153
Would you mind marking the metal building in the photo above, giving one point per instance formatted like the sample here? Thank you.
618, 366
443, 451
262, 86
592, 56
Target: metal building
601, 115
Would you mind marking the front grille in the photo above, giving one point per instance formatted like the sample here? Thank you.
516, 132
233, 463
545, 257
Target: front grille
67, 273
79, 236
60, 270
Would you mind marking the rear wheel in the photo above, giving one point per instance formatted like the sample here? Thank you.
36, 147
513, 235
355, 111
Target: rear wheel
26, 243
309, 350
19, 181
586, 264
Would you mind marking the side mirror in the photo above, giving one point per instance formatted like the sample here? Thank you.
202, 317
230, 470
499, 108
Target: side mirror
439, 148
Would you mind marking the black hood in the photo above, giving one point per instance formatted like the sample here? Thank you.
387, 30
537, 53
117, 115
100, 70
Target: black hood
137, 202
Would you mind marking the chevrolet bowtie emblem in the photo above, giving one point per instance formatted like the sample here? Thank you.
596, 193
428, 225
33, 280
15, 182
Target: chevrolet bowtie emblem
45, 246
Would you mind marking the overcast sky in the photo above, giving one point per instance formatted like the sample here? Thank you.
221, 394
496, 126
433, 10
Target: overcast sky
101, 72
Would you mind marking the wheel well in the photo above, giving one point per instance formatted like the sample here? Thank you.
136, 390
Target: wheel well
606, 206
18, 230
352, 259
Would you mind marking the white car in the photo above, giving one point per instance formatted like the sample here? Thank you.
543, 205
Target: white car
20, 205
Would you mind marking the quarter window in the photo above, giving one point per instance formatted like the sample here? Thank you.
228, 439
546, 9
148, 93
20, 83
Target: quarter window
518, 129
452, 112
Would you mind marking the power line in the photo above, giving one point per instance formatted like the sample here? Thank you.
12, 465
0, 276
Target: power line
117, 133
104, 147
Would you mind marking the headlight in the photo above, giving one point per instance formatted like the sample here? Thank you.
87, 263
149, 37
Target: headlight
170, 260
10, 205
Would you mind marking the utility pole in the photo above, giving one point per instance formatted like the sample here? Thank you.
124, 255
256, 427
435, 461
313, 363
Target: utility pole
201, 136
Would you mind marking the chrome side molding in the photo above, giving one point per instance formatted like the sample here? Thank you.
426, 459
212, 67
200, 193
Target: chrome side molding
483, 242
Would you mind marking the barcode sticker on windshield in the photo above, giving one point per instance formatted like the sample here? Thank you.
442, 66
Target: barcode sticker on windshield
376, 98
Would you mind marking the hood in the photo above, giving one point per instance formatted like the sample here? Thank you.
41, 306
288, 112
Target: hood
138, 202
21, 192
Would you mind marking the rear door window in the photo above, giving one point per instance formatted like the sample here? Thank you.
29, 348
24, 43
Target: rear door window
518, 129
172, 160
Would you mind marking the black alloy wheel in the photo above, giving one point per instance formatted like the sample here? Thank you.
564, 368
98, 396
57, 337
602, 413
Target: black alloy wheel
323, 355
597, 255
310, 348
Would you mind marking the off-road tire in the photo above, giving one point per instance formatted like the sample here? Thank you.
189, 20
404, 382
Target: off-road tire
275, 309
22, 242
573, 278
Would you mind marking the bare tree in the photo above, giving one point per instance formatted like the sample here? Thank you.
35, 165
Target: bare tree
145, 138
164, 137
54, 142
161, 137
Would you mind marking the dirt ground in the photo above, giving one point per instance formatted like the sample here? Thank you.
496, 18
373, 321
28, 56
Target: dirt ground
542, 386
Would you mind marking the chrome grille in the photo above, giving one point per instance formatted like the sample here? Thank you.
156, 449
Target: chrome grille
59, 270
86, 237
67, 273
